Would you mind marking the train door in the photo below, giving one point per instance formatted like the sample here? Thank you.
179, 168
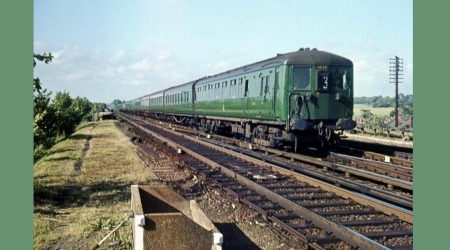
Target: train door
301, 103
246, 94
194, 97
266, 94
275, 88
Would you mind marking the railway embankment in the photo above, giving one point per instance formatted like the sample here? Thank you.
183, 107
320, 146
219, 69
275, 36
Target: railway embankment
82, 188
82, 192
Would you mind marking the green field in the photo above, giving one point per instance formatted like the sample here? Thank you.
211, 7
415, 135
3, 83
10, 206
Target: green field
376, 111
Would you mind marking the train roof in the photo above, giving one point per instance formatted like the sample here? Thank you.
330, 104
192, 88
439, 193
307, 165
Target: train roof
181, 85
300, 57
314, 56
304, 56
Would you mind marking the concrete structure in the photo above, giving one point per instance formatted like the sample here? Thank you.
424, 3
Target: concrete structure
165, 220
99, 116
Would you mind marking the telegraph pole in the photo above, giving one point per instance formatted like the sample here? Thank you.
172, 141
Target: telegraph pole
394, 77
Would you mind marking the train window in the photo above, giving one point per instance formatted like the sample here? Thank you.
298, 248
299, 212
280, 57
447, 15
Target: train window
341, 78
345, 79
302, 77
246, 88
262, 84
323, 80
266, 88
337, 79
233, 82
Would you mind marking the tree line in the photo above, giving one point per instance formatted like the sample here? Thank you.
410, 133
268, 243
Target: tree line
405, 103
57, 118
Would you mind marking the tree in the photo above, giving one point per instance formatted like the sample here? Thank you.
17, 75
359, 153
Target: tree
43, 125
44, 120
55, 118
372, 120
82, 108
65, 116
37, 86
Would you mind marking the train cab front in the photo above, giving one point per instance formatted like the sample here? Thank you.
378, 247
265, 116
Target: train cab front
320, 102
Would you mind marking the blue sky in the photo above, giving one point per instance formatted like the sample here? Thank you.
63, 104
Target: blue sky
106, 50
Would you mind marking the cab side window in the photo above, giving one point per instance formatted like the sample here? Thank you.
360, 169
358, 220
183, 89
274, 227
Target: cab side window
302, 78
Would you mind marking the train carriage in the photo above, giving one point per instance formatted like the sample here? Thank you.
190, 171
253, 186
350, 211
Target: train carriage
157, 104
178, 103
294, 99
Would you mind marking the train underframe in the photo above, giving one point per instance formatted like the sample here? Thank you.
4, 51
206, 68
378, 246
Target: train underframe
271, 135
300, 134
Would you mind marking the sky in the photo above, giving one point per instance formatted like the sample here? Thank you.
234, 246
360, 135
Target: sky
108, 49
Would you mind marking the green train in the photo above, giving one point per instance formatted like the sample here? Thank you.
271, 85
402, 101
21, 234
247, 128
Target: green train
297, 99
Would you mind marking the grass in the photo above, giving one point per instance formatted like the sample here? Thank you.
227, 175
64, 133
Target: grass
74, 208
376, 111
380, 112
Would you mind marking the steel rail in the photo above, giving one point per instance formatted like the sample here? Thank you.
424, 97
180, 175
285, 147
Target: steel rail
389, 169
381, 194
331, 186
340, 231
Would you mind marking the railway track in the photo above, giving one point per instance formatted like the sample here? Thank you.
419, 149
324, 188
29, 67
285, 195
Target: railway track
320, 214
396, 154
397, 171
381, 180
391, 190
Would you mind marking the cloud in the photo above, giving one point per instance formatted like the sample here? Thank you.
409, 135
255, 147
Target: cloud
119, 55
143, 64
165, 55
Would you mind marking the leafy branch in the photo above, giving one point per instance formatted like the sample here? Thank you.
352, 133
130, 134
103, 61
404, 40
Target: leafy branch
37, 86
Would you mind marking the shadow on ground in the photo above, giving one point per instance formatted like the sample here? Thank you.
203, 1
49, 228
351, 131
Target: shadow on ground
76, 195
234, 238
